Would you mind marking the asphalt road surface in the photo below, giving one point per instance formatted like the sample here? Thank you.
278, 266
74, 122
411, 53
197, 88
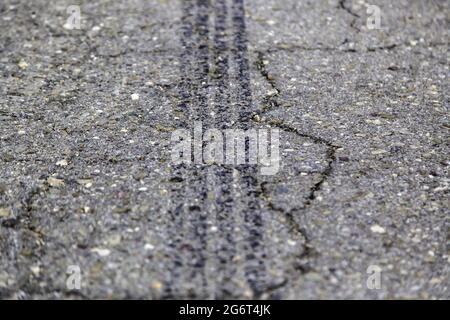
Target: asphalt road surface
87, 182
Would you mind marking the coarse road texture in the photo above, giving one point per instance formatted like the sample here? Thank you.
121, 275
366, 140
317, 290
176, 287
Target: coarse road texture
87, 180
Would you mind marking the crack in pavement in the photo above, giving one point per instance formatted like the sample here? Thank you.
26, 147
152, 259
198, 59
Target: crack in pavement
342, 6
270, 101
389, 47
399, 45
307, 250
294, 228
295, 47
23, 218
23, 222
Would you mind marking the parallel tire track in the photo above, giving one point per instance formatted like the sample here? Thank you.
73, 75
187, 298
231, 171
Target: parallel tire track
252, 214
198, 178
176, 210
224, 203
192, 186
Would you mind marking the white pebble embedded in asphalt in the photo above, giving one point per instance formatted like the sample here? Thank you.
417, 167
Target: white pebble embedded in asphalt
377, 229
62, 163
101, 252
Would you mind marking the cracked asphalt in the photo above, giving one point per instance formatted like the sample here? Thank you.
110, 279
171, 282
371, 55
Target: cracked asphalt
87, 180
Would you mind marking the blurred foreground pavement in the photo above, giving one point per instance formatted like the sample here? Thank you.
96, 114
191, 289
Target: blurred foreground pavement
86, 177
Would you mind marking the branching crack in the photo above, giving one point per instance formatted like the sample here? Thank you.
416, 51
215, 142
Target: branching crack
294, 228
297, 47
292, 47
270, 100
307, 251
343, 6
24, 217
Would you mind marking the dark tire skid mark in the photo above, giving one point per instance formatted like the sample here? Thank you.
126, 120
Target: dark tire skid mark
180, 172
198, 179
224, 202
254, 225
194, 70
193, 92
